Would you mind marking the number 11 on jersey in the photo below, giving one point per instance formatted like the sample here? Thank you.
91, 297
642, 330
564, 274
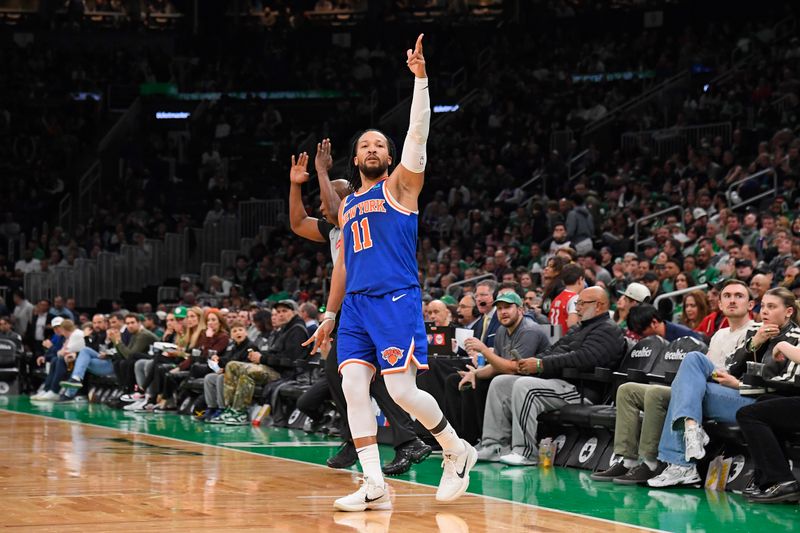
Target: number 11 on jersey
361, 239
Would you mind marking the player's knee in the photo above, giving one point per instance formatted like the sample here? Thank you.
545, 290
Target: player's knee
355, 387
401, 392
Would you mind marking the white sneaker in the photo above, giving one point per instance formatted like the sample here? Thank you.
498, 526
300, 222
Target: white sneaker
369, 496
695, 440
490, 453
50, 396
38, 395
128, 398
455, 478
137, 405
675, 475
515, 459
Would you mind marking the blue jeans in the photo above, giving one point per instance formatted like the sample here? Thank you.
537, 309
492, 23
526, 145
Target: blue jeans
58, 371
89, 359
694, 397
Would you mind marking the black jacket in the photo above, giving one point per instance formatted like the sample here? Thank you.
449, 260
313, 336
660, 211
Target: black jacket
30, 336
287, 344
94, 340
737, 361
597, 342
237, 352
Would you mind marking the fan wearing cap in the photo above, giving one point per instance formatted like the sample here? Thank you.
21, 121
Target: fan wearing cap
516, 338
700, 216
633, 295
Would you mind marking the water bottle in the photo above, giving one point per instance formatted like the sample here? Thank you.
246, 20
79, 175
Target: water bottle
546, 452
481, 360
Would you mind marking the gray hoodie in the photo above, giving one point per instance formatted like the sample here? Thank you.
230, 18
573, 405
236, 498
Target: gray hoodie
580, 224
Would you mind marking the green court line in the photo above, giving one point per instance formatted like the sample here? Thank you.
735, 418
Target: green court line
559, 489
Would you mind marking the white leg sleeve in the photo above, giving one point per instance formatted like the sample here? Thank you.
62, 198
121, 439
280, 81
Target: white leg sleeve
403, 389
356, 379
415, 155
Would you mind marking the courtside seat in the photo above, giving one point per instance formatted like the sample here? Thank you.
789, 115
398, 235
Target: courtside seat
104, 381
195, 384
576, 414
641, 359
293, 391
666, 367
603, 416
550, 417
723, 431
9, 352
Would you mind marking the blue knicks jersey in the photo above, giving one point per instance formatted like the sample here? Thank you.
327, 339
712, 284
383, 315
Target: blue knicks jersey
379, 241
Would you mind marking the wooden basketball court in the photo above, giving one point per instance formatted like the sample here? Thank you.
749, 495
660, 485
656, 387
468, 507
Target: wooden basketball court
69, 476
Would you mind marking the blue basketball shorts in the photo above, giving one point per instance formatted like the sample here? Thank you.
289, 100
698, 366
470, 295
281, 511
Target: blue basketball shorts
385, 332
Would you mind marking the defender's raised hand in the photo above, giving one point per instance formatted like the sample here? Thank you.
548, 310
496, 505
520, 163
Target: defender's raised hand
323, 161
299, 171
415, 60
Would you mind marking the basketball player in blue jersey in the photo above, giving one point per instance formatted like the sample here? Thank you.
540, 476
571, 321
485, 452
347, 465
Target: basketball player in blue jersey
375, 284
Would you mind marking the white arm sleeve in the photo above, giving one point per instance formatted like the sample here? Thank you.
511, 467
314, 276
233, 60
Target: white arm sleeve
414, 148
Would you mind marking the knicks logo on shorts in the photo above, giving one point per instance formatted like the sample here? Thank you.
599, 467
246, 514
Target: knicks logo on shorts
392, 355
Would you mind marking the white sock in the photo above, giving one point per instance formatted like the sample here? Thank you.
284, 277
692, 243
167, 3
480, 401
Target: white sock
370, 461
449, 440
652, 465
629, 463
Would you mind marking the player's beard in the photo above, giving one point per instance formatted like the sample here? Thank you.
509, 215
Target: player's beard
373, 172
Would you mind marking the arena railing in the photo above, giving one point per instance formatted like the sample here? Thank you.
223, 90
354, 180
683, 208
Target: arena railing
657, 214
211, 240
38, 286
62, 281
537, 176
89, 188
253, 214
207, 270
17, 245
680, 292
668, 141
174, 253
65, 212
733, 188
135, 267
157, 272
573, 171
85, 277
